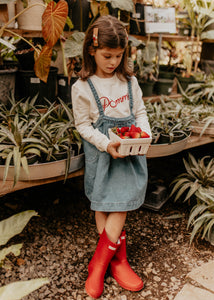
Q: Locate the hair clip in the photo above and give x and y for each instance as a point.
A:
(95, 37)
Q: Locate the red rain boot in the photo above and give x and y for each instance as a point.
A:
(98, 265)
(121, 270)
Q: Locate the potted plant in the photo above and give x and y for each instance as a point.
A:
(200, 16)
(19, 143)
(146, 67)
(53, 22)
(197, 187)
(44, 131)
(72, 61)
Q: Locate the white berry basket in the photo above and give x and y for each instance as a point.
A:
(130, 146)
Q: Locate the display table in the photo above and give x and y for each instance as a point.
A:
(7, 187)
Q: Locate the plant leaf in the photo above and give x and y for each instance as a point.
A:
(53, 21)
(17, 290)
(42, 64)
(195, 230)
(15, 249)
(14, 225)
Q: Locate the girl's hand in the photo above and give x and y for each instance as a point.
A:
(112, 150)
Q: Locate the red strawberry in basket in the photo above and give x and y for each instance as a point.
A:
(127, 134)
(132, 129)
(134, 135)
(124, 129)
(143, 134)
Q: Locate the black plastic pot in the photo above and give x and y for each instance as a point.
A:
(165, 138)
(64, 87)
(147, 88)
(166, 75)
(28, 85)
(184, 82)
(25, 58)
(163, 86)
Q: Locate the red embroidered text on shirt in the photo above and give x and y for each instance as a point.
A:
(113, 103)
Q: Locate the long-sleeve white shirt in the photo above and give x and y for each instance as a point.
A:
(113, 94)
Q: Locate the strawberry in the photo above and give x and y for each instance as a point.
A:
(124, 137)
(143, 134)
(135, 135)
(127, 133)
(133, 128)
(118, 130)
(138, 129)
(124, 129)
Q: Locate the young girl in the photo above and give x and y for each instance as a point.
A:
(108, 95)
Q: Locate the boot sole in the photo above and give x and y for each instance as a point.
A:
(128, 288)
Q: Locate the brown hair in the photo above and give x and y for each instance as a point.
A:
(111, 34)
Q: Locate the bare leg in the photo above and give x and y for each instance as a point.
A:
(113, 223)
(101, 218)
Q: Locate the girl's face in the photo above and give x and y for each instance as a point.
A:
(107, 60)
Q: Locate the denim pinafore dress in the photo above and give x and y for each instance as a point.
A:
(113, 185)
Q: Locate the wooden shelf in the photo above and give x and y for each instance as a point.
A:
(165, 37)
(30, 33)
(154, 36)
(7, 187)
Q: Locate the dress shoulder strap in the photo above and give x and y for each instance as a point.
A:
(96, 97)
(130, 95)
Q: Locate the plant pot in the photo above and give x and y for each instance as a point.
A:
(184, 82)
(165, 138)
(32, 18)
(28, 85)
(62, 155)
(64, 88)
(46, 170)
(25, 58)
(160, 150)
(166, 75)
(7, 84)
(163, 86)
(147, 88)
(199, 127)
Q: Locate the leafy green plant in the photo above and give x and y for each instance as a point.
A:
(197, 185)
(199, 93)
(201, 15)
(28, 130)
(201, 217)
(199, 175)
(7, 47)
(146, 66)
(21, 142)
(8, 229)
(72, 51)
(165, 118)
